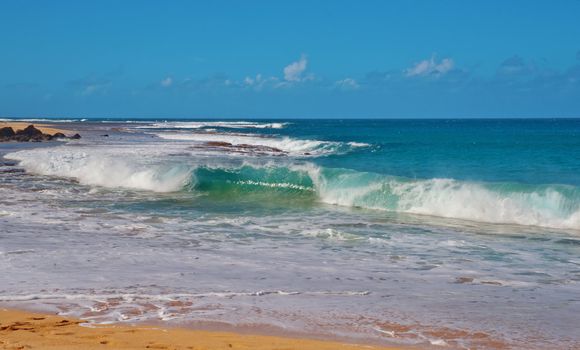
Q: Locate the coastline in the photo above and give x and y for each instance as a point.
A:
(44, 127)
(22, 329)
(262, 303)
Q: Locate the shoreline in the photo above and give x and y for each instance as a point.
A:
(31, 330)
(46, 128)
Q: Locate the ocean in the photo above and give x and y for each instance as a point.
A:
(445, 233)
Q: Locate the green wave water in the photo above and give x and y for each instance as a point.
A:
(539, 205)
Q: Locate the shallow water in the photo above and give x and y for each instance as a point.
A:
(463, 234)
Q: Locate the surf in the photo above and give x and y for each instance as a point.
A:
(547, 205)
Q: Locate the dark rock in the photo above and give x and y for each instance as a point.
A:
(30, 131)
(464, 280)
(20, 138)
(218, 144)
(260, 148)
(7, 132)
(41, 137)
(106, 135)
(30, 134)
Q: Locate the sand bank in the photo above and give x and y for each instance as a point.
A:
(24, 330)
(45, 128)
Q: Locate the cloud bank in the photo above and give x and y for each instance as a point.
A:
(430, 67)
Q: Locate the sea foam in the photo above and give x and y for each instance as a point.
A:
(219, 124)
(291, 146)
(112, 171)
(556, 206)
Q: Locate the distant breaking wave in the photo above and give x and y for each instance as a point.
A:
(43, 120)
(220, 124)
(265, 144)
(556, 206)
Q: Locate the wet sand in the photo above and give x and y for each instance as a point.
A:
(25, 330)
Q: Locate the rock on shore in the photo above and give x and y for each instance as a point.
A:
(31, 134)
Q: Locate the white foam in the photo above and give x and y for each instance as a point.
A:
(42, 120)
(358, 144)
(273, 185)
(145, 167)
(295, 147)
(217, 124)
(450, 199)
(333, 235)
(131, 297)
(91, 167)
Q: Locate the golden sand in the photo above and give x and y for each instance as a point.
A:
(45, 128)
(24, 330)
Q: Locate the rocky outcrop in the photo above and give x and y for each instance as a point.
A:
(7, 132)
(240, 148)
(59, 135)
(31, 134)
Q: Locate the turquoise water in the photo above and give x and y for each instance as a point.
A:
(541, 151)
(498, 171)
(451, 228)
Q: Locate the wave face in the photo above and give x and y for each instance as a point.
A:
(556, 206)
(550, 206)
(544, 205)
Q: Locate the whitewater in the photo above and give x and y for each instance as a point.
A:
(361, 228)
(172, 168)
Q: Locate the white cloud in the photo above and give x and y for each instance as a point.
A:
(259, 81)
(252, 81)
(94, 89)
(294, 71)
(347, 84)
(167, 82)
(91, 85)
(430, 67)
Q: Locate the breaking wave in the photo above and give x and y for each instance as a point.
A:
(556, 206)
(106, 171)
(50, 120)
(220, 124)
(263, 144)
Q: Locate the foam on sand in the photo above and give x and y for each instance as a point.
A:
(38, 331)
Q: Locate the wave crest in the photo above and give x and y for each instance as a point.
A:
(106, 171)
(271, 145)
(536, 205)
(555, 206)
(220, 124)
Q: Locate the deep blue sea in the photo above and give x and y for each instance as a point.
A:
(445, 233)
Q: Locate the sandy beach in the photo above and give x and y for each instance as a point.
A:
(24, 330)
(305, 175)
(45, 128)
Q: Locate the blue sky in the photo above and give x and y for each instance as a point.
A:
(274, 59)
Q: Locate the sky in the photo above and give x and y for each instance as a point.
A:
(290, 59)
